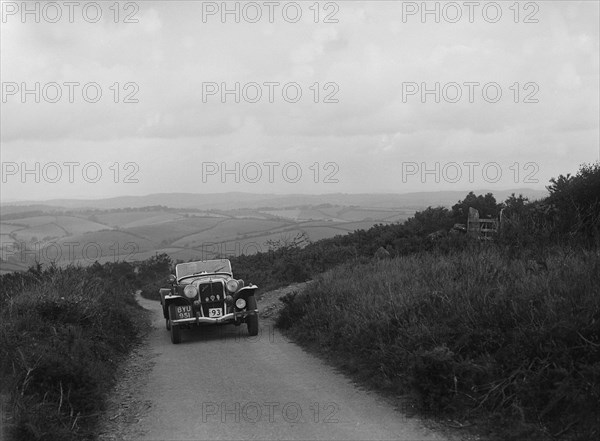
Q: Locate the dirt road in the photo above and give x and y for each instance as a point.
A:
(220, 384)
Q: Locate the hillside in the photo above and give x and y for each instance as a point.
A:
(85, 236)
(187, 226)
(500, 336)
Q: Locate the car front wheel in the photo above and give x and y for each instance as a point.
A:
(252, 320)
(175, 330)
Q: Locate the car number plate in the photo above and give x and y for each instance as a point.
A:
(183, 312)
(215, 312)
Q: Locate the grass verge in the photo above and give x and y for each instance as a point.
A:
(511, 343)
(62, 333)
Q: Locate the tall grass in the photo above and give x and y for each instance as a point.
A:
(62, 333)
(468, 333)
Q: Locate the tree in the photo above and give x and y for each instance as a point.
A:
(576, 200)
(515, 207)
(486, 205)
(288, 243)
(430, 220)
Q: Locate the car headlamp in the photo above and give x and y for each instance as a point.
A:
(240, 303)
(190, 291)
(232, 285)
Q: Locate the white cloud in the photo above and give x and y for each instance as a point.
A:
(369, 54)
(151, 21)
(567, 77)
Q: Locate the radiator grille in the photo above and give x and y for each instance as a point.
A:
(212, 295)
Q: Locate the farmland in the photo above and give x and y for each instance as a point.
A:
(87, 235)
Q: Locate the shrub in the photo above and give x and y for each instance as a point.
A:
(468, 332)
(62, 334)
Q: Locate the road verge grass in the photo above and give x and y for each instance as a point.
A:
(509, 342)
(62, 333)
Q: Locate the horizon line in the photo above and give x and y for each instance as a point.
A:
(383, 193)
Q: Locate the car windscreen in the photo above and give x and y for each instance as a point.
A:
(203, 266)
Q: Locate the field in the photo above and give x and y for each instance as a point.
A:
(137, 234)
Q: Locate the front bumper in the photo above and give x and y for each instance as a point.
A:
(231, 317)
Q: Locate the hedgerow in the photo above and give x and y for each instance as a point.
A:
(62, 333)
(469, 333)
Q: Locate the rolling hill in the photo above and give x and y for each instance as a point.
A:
(190, 226)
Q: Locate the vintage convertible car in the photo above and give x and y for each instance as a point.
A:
(205, 293)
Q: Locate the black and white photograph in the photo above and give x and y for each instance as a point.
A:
(300, 220)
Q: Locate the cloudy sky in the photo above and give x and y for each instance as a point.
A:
(287, 97)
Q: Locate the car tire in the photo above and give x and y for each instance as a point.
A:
(168, 324)
(175, 335)
(175, 330)
(252, 320)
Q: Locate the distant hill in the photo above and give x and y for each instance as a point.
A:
(233, 200)
(187, 226)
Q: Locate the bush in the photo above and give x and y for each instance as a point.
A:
(62, 333)
(152, 275)
(468, 332)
